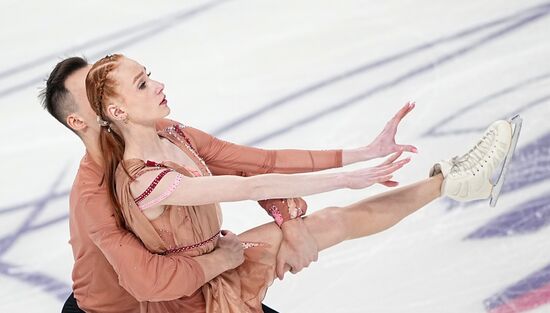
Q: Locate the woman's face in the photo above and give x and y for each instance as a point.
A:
(142, 100)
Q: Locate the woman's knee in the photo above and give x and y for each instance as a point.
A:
(331, 216)
(328, 220)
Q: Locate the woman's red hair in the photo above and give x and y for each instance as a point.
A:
(100, 89)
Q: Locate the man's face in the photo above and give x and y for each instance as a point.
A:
(76, 85)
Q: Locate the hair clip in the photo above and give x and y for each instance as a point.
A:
(103, 123)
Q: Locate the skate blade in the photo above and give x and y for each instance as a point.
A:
(516, 123)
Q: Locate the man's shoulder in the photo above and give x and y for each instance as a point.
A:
(88, 189)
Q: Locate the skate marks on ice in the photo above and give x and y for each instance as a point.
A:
(59, 290)
(50, 285)
(27, 226)
(531, 166)
(101, 46)
(484, 106)
(527, 294)
(475, 37)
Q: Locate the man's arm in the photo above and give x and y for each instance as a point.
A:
(226, 158)
(146, 276)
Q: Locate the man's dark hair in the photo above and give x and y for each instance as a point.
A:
(55, 97)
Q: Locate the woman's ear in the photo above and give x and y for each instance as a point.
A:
(116, 113)
(75, 122)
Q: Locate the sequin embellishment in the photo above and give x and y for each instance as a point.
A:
(193, 246)
(164, 195)
(276, 214)
(176, 131)
(248, 244)
(152, 186)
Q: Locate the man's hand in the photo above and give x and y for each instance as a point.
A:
(231, 248)
(298, 248)
(384, 144)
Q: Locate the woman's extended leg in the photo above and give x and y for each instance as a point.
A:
(467, 177)
(333, 225)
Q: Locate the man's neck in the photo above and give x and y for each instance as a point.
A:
(93, 149)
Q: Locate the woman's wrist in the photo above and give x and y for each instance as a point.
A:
(342, 180)
(350, 156)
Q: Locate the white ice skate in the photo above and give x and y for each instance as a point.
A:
(469, 177)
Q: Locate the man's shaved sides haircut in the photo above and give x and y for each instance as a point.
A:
(55, 97)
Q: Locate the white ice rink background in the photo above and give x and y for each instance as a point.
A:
(310, 75)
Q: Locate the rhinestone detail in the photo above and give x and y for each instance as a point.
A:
(276, 214)
(164, 195)
(177, 132)
(193, 246)
(247, 245)
(152, 186)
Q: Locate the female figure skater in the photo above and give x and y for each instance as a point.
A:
(166, 195)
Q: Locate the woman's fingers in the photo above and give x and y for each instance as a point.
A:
(389, 183)
(392, 158)
(394, 122)
(408, 148)
(381, 179)
(378, 174)
(374, 174)
(409, 106)
(394, 166)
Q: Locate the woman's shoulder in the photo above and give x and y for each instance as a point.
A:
(130, 169)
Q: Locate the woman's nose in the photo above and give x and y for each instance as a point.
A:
(160, 87)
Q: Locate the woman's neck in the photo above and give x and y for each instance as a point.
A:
(142, 142)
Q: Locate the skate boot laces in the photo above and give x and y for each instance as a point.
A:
(469, 161)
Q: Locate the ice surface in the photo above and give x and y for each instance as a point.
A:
(312, 75)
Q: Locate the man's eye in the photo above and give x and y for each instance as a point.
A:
(149, 74)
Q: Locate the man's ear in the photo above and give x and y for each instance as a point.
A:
(116, 112)
(76, 122)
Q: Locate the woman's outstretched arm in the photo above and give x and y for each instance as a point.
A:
(166, 187)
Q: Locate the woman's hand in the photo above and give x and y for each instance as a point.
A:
(380, 174)
(384, 144)
(231, 248)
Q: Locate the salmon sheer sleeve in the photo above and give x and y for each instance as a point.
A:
(226, 158)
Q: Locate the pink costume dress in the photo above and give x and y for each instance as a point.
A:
(193, 231)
